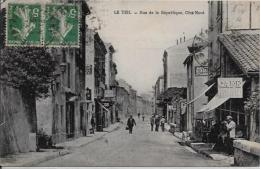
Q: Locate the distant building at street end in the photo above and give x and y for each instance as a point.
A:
(173, 58)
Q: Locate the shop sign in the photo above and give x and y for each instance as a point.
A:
(201, 71)
(109, 93)
(201, 57)
(230, 87)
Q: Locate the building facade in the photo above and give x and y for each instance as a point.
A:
(63, 115)
(100, 78)
(174, 75)
(234, 53)
(158, 90)
(122, 103)
(197, 75)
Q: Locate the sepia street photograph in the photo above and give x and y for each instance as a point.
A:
(129, 83)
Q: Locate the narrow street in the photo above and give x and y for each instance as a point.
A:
(142, 148)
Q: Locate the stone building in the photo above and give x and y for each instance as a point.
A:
(90, 75)
(197, 75)
(234, 55)
(63, 115)
(175, 98)
(158, 90)
(175, 75)
(122, 103)
(110, 83)
(132, 109)
(102, 113)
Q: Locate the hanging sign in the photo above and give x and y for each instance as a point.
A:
(230, 87)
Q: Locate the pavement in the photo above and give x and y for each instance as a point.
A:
(142, 148)
(34, 158)
(116, 147)
(205, 149)
(83, 141)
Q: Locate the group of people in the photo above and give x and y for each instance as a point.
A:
(223, 135)
(139, 116)
(157, 121)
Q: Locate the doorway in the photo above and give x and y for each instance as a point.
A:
(70, 119)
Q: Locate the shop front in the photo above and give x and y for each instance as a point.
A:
(228, 101)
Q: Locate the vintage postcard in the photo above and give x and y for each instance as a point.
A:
(129, 83)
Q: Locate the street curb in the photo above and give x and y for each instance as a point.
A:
(40, 160)
(65, 151)
(82, 145)
(203, 153)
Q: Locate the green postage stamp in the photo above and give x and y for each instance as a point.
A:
(23, 25)
(49, 25)
(61, 25)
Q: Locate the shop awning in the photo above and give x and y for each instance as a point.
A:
(202, 94)
(213, 104)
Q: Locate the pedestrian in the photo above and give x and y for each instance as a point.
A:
(130, 124)
(220, 145)
(157, 123)
(93, 124)
(143, 117)
(152, 122)
(138, 115)
(231, 134)
(162, 123)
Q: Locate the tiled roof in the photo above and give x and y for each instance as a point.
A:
(244, 48)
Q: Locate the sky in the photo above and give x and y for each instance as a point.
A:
(140, 39)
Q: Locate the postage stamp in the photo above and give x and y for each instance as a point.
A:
(23, 27)
(61, 25)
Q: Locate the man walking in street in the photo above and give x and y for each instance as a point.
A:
(162, 123)
(143, 117)
(152, 122)
(231, 129)
(130, 124)
(157, 123)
